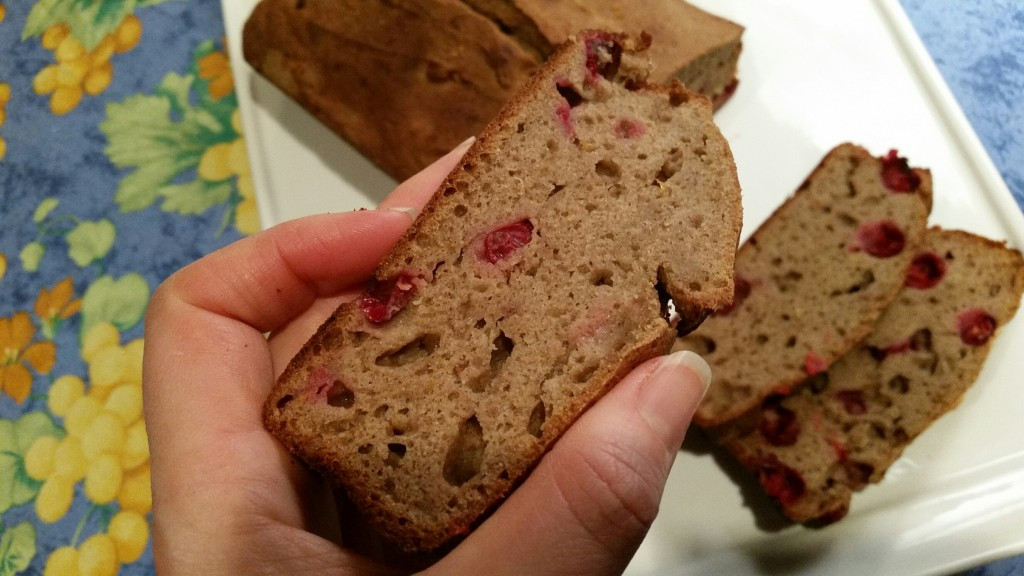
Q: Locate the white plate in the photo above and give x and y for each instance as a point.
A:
(813, 74)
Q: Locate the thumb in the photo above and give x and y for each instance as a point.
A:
(587, 506)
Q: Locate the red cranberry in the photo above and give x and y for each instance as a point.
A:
(564, 115)
(778, 423)
(897, 174)
(604, 55)
(839, 449)
(814, 364)
(853, 401)
(726, 94)
(628, 128)
(882, 239)
(740, 291)
(920, 340)
(780, 481)
(897, 348)
(323, 388)
(382, 300)
(926, 271)
(319, 384)
(975, 326)
(501, 243)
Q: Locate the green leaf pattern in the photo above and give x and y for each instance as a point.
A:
(17, 548)
(90, 241)
(163, 136)
(121, 302)
(89, 20)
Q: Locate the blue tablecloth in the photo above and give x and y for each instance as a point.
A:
(118, 130)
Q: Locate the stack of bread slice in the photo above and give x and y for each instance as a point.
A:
(854, 327)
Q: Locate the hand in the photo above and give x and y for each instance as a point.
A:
(228, 499)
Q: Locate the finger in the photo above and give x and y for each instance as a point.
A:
(588, 505)
(415, 192)
(268, 279)
(265, 280)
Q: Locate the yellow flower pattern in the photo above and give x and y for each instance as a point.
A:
(5, 97)
(18, 353)
(56, 304)
(79, 71)
(215, 68)
(80, 251)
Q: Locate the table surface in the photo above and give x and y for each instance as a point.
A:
(100, 161)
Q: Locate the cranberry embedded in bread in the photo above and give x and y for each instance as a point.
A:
(535, 278)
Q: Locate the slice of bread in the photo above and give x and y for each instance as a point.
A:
(540, 273)
(404, 82)
(813, 279)
(849, 424)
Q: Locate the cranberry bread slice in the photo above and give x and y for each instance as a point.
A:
(404, 82)
(813, 279)
(812, 450)
(537, 276)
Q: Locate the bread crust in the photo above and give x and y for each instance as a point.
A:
(429, 418)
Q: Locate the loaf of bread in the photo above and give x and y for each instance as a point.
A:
(406, 81)
(813, 278)
(845, 428)
(541, 272)
(697, 48)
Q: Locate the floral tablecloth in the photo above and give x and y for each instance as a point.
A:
(121, 160)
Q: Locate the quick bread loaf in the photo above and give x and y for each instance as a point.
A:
(813, 279)
(542, 271)
(406, 81)
(844, 428)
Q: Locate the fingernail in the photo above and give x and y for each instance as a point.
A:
(667, 401)
(695, 363)
(461, 148)
(411, 212)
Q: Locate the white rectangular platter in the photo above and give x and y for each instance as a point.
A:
(813, 74)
